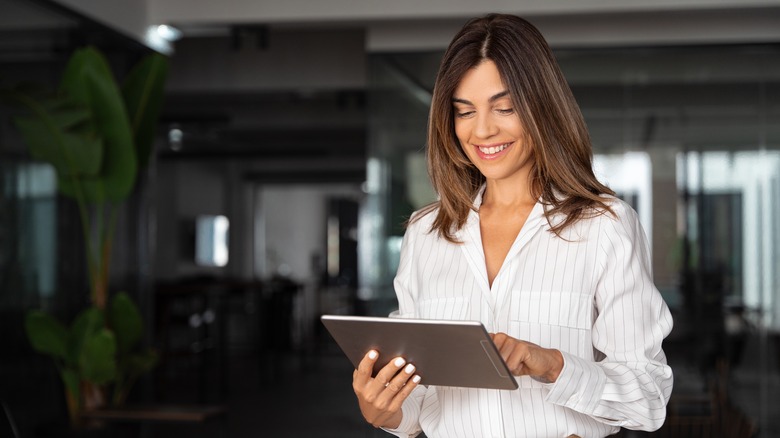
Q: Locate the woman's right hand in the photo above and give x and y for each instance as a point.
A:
(380, 398)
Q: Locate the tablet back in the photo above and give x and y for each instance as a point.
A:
(445, 353)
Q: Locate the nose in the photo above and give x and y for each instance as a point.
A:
(485, 126)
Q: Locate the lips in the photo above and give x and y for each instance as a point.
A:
(492, 151)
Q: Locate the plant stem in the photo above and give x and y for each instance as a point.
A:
(74, 407)
(107, 239)
(85, 229)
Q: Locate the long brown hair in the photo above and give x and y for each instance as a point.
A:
(561, 174)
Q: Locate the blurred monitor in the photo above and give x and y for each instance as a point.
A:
(211, 240)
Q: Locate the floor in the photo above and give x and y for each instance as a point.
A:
(313, 398)
(309, 394)
(301, 395)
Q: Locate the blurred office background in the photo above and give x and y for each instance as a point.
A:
(291, 149)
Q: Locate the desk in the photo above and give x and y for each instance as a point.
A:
(165, 413)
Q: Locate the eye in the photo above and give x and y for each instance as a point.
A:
(463, 114)
(506, 111)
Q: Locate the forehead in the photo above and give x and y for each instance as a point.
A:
(480, 82)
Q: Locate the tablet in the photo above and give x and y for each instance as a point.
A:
(445, 353)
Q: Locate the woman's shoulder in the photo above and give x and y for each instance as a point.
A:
(621, 217)
(617, 205)
(423, 218)
(612, 209)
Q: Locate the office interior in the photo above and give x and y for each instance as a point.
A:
(289, 151)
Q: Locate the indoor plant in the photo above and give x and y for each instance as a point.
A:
(97, 137)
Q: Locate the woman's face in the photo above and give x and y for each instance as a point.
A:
(487, 125)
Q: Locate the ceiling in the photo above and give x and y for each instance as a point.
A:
(302, 93)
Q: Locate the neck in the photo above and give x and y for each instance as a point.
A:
(507, 193)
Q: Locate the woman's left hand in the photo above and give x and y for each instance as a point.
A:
(527, 359)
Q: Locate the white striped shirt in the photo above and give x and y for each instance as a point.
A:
(590, 296)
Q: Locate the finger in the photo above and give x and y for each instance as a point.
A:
(398, 400)
(394, 387)
(397, 383)
(519, 359)
(514, 361)
(365, 369)
(387, 372)
(499, 339)
(508, 348)
(505, 346)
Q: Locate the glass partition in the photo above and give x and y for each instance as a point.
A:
(396, 177)
(42, 262)
(689, 136)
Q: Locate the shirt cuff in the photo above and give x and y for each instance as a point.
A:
(579, 386)
(408, 427)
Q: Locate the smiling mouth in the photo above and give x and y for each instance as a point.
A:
(493, 149)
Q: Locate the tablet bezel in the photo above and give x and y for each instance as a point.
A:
(445, 352)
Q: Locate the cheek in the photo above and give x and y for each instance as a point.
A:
(516, 127)
(462, 132)
(467, 150)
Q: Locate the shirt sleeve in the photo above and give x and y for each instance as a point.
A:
(404, 290)
(631, 385)
(410, 423)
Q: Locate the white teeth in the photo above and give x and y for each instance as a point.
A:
(493, 149)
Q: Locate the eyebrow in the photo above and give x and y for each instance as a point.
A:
(492, 98)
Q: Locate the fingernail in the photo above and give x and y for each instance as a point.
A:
(372, 354)
(399, 362)
(409, 369)
(416, 379)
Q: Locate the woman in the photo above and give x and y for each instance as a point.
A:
(526, 240)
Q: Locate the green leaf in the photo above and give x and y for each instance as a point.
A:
(97, 360)
(70, 154)
(87, 151)
(60, 132)
(143, 91)
(86, 324)
(65, 111)
(125, 319)
(89, 80)
(68, 117)
(46, 334)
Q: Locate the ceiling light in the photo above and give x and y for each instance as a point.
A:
(159, 37)
(168, 33)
